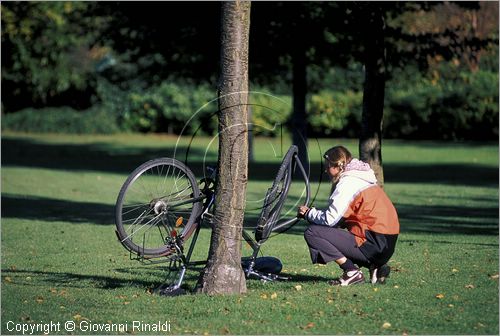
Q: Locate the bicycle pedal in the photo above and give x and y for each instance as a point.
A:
(169, 290)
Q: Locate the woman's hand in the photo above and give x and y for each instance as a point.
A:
(302, 211)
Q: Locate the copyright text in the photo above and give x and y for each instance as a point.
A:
(86, 326)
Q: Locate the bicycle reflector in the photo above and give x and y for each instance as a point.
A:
(179, 221)
(173, 234)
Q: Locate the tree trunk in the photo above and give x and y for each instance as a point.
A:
(370, 142)
(299, 118)
(223, 273)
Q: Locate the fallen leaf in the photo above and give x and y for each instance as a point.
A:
(470, 286)
(8, 279)
(375, 289)
(263, 296)
(308, 326)
(494, 276)
(77, 317)
(53, 291)
(274, 296)
(39, 299)
(451, 305)
(454, 270)
(386, 325)
(298, 287)
(439, 296)
(13, 268)
(396, 286)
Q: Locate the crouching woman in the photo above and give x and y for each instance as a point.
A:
(360, 226)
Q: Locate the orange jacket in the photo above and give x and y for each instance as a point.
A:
(373, 211)
(361, 206)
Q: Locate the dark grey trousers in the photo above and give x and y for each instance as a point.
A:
(327, 244)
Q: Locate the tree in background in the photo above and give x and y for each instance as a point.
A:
(291, 41)
(462, 32)
(50, 50)
(427, 33)
(223, 273)
(443, 62)
(370, 140)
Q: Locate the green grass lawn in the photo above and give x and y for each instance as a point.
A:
(61, 260)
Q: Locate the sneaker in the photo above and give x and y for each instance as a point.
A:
(379, 274)
(348, 278)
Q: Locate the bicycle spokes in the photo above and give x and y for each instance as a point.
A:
(154, 202)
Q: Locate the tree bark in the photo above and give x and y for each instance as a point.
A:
(223, 273)
(370, 141)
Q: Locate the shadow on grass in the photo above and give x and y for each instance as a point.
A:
(429, 219)
(449, 174)
(412, 242)
(106, 158)
(27, 277)
(449, 219)
(84, 157)
(134, 277)
(48, 209)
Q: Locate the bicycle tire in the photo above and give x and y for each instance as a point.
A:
(275, 197)
(146, 216)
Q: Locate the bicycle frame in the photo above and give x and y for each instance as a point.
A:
(179, 261)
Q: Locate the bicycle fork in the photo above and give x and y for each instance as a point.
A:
(178, 264)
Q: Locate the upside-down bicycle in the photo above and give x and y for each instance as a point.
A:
(160, 206)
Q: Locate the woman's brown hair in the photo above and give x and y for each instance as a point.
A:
(338, 156)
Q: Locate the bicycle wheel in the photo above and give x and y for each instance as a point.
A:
(159, 201)
(275, 197)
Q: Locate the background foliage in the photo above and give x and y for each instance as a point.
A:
(72, 61)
